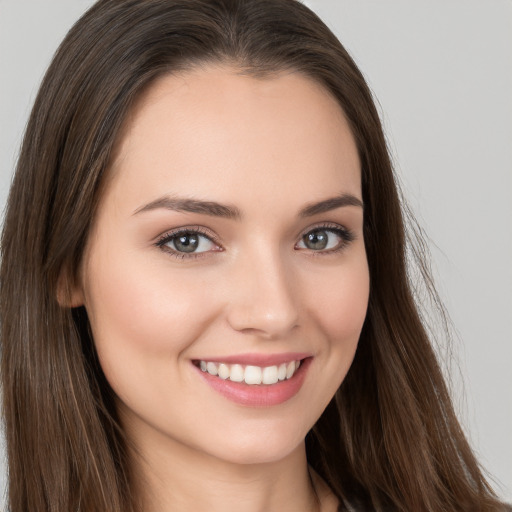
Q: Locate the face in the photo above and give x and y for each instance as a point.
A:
(225, 277)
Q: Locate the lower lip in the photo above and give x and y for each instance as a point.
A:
(259, 395)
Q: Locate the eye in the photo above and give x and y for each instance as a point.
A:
(327, 239)
(187, 243)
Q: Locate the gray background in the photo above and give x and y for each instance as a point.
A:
(442, 73)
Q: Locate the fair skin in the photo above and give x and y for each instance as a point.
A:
(170, 285)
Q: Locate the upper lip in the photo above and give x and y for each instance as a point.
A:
(255, 359)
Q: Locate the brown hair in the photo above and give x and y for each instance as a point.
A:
(389, 439)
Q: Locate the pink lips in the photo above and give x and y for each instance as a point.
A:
(260, 395)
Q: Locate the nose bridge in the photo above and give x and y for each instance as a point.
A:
(263, 299)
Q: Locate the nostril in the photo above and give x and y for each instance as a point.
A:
(262, 320)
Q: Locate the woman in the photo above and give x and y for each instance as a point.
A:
(209, 307)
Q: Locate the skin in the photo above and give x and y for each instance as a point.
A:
(269, 147)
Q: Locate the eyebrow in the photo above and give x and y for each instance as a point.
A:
(193, 206)
(232, 212)
(330, 204)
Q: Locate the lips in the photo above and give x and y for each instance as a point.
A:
(255, 380)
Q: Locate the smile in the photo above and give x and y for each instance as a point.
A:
(249, 374)
(255, 380)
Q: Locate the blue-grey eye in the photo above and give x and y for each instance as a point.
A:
(189, 242)
(321, 239)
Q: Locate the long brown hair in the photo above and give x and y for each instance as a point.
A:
(389, 439)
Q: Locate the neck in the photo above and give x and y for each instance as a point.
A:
(180, 478)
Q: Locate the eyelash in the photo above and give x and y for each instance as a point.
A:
(172, 235)
(346, 236)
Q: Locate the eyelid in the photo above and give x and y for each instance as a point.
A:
(333, 226)
(345, 233)
(199, 230)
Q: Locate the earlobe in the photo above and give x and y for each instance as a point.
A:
(69, 291)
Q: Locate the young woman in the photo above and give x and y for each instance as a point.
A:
(204, 296)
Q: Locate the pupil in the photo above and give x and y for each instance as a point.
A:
(186, 243)
(316, 240)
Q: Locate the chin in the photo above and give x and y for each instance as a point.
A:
(262, 447)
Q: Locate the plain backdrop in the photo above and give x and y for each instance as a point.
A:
(442, 74)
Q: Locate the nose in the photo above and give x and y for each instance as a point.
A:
(262, 299)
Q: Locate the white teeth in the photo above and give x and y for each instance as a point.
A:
(211, 368)
(252, 375)
(269, 375)
(290, 369)
(237, 373)
(223, 371)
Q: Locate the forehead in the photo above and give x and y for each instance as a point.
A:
(215, 132)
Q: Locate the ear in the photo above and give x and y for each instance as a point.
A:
(69, 291)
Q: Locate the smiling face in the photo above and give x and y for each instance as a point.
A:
(225, 277)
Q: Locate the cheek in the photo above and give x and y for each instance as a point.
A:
(337, 311)
(341, 302)
(142, 316)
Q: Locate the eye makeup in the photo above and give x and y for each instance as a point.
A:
(316, 236)
(196, 241)
(183, 242)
